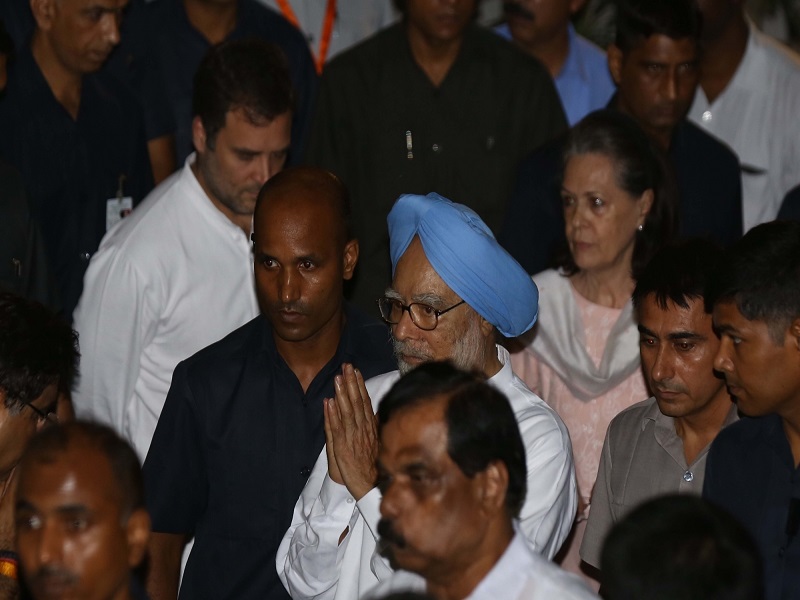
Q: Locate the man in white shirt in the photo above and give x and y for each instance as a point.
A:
(454, 287)
(748, 97)
(451, 469)
(177, 274)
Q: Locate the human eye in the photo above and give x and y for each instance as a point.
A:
(647, 341)
(94, 14)
(654, 68)
(684, 346)
(268, 262)
(567, 200)
(597, 203)
(307, 264)
(76, 522)
(27, 521)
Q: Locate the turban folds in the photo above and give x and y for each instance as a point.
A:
(465, 254)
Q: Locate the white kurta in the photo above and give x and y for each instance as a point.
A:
(168, 280)
(312, 564)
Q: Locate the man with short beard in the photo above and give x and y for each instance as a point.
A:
(177, 274)
(454, 288)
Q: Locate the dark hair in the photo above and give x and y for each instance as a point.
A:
(247, 74)
(761, 274)
(638, 166)
(481, 427)
(637, 20)
(319, 183)
(679, 272)
(37, 349)
(680, 547)
(6, 43)
(46, 445)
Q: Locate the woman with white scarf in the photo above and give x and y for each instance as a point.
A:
(620, 206)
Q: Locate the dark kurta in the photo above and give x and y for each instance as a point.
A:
(72, 167)
(751, 473)
(181, 48)
(233, 449)
(708, 177)
(494, 107)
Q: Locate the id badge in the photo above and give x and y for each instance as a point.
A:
(117, 209)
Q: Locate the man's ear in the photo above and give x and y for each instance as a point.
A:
(199, 138)
(794, 332)
(350, 259)
(615, 59)
(138, 534)
(493, 486)
(44, 13)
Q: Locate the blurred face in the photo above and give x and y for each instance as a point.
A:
(82, 33)
(439, 21)
(301, 261)
(18, 425)
(601, 218)
(431, 514)
(678, 346)
(72, 537)
(534, 22)
(717, 15)
(241, 158)
(459, 335)
(762, 376)
(656, 81)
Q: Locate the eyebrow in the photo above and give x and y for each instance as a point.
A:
(674, 335)
(434, 300)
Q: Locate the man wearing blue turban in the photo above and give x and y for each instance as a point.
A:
(453, 288)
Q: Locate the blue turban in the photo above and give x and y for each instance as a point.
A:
(465, 254)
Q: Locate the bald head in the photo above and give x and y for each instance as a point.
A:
(308, 185)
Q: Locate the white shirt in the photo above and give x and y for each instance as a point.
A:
(758, 115)
(312, 564)
(168, 280)
(355, 21)
(520, 574)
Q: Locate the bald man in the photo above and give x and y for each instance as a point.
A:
(243, 421)
(453, 289)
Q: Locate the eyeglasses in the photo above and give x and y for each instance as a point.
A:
(48, 417)
(422, 315)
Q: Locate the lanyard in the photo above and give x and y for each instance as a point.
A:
(327, 28)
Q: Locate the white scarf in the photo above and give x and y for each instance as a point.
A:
(559, 341)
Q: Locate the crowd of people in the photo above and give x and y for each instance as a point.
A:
(365, 299)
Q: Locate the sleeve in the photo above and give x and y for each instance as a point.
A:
(175, 472)
(115, 319)
(552, 499)
(309, 558)
(601, 517)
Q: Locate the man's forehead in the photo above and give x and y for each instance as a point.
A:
(662, 48)
(415, 276)
(416, 430)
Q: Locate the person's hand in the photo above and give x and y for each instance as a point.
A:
(351, 433)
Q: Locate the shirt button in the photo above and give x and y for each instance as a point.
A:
(349, 500)
(305, 471)
(707, 116)
(688, 476)
(84, 256)
(436, 148)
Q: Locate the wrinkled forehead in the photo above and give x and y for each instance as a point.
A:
(415, 277)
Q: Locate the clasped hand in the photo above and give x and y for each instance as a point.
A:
(351, 433)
